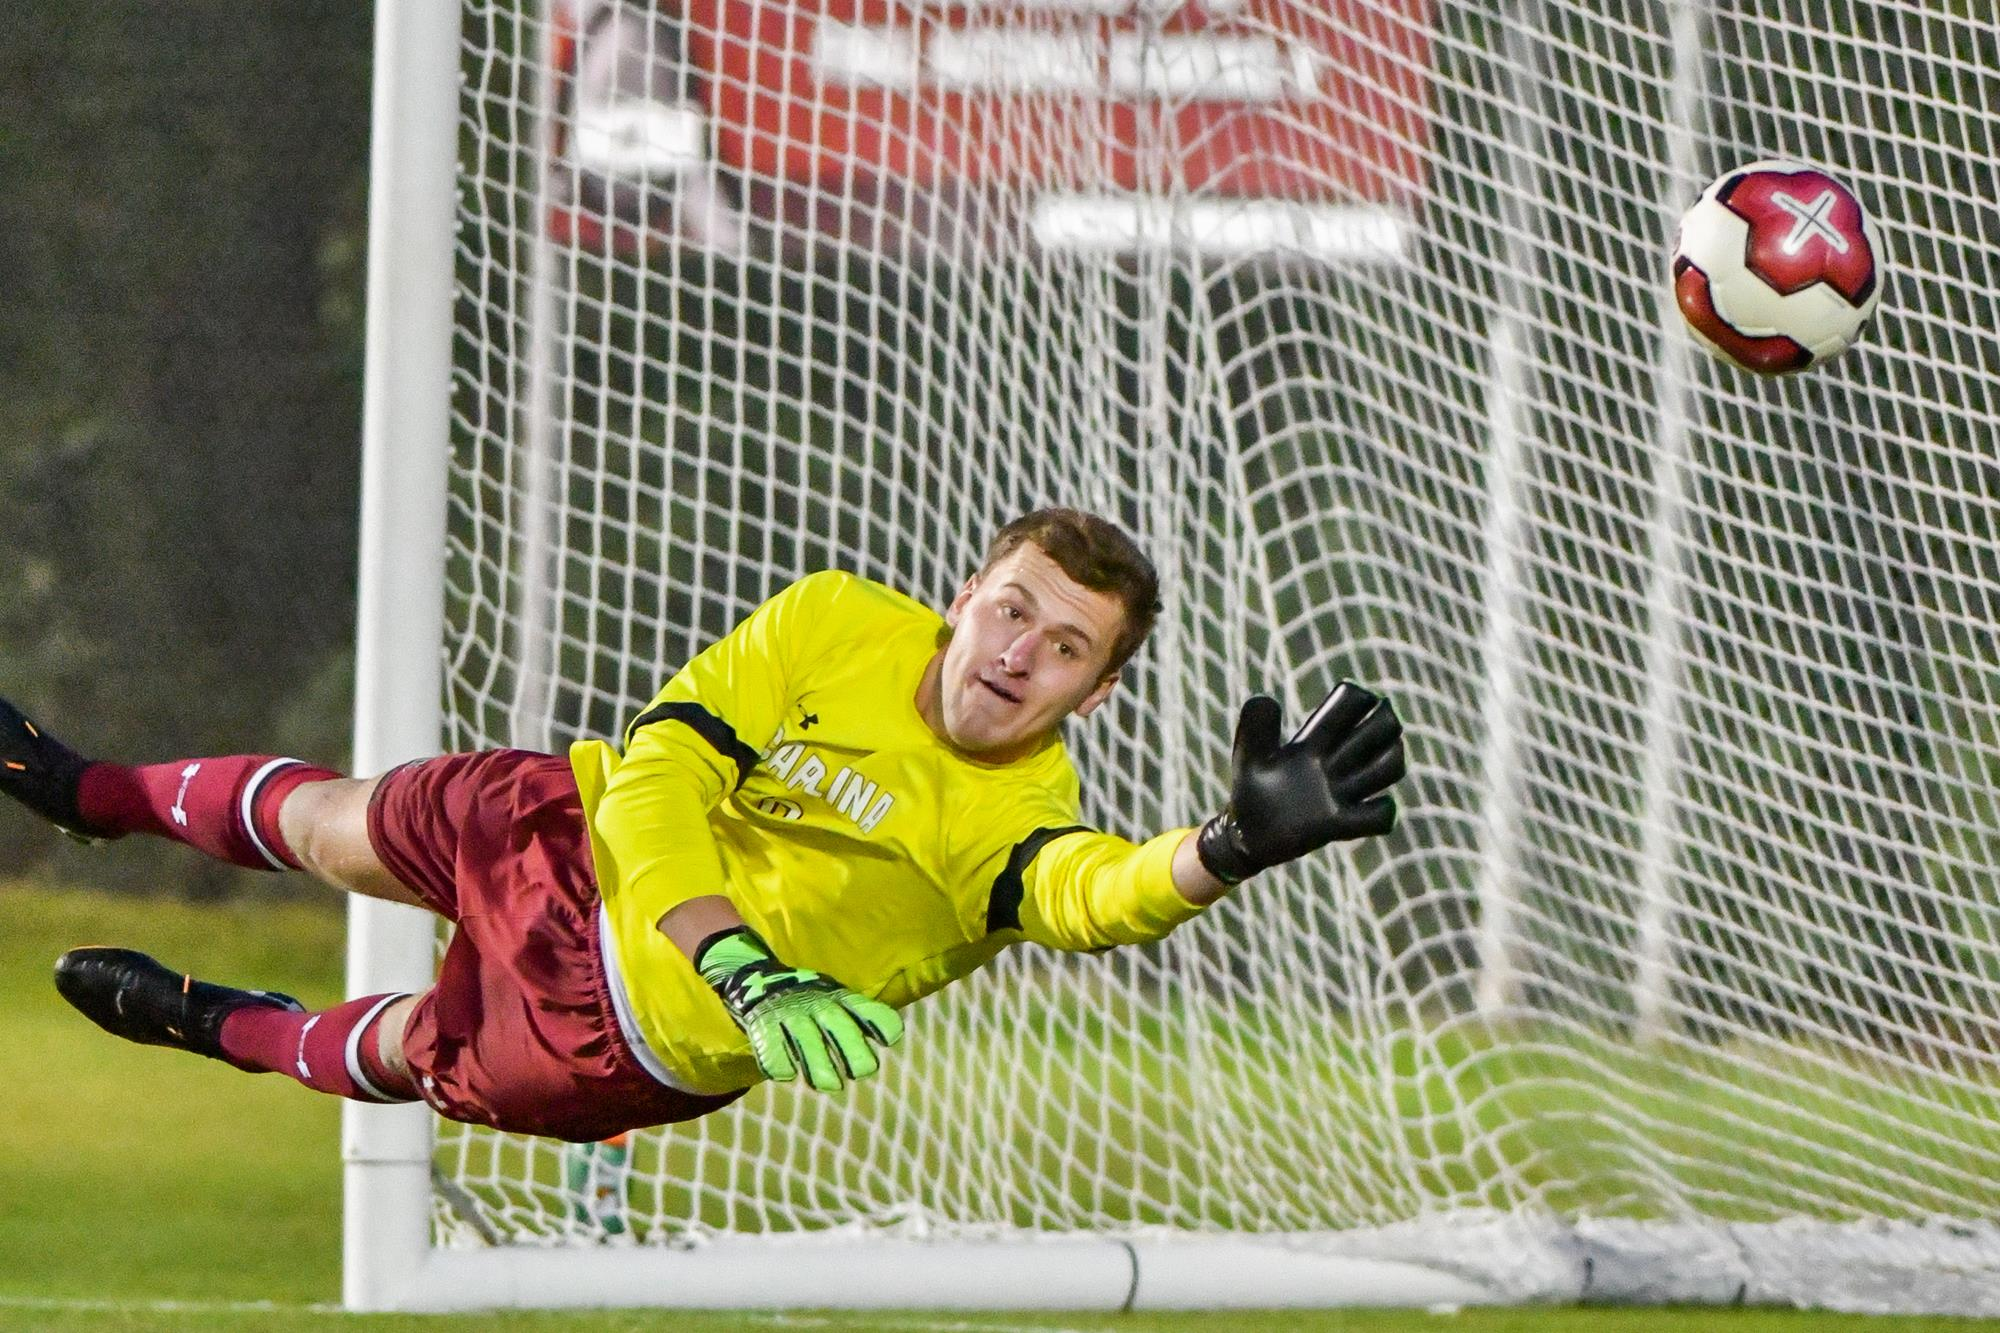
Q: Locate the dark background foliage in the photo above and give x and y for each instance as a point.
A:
(182, 218)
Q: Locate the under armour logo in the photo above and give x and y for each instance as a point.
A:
(1810, 220)
(807, 720)
(178, 810)
(305, 1071)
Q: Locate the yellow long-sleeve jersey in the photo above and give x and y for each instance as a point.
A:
(787, 768)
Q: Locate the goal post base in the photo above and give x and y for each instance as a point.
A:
(1467, 1259)
(1059, 1273)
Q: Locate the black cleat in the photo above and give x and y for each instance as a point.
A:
(130, 995)
(43, 774)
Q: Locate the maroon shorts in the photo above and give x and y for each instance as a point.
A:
(519, 1032)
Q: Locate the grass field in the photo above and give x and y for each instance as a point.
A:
(144, 1190)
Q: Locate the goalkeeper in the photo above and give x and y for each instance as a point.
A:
(838, 808)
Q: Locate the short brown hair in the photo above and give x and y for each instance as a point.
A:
(1096, 554)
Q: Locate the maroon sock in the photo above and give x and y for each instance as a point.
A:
(226, 806)
(330, 1051)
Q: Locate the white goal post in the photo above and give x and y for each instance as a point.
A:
(1680, 978)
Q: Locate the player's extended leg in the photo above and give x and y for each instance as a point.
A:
(259, 811)
(352, 1050)
(262, 812)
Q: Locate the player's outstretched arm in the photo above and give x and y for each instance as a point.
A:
(1328, 783)
(796, 1018)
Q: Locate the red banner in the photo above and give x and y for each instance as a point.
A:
(1274, 123)
(1298, 99)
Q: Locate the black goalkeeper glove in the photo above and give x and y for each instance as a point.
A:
(1326, 784)
(796, 1018)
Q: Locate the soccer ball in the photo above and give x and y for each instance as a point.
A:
(1777, 267)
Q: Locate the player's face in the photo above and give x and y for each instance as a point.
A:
(1029, 647)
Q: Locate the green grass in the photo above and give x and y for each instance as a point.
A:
(140, 1189)
(124, 1161)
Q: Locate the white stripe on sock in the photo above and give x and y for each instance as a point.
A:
(249, 804)
(354, 1072)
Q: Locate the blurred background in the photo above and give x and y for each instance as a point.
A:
(182, 222)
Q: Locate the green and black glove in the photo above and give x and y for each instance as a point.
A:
(1326, 784)
(795, 1017)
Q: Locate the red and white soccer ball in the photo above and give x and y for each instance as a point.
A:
(1777, 267)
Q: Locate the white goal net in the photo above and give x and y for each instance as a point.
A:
(1680, 978)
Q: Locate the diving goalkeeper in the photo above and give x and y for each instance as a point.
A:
(839, 807)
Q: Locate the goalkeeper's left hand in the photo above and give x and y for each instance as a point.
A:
(795, 1017)
(1327, 783)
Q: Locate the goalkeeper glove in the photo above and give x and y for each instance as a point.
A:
(1324, 785)
(795, 1017)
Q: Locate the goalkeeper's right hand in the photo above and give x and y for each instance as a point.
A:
(795, 1017)
(1326, 784)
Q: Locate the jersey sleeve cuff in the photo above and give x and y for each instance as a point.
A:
(1157, 905)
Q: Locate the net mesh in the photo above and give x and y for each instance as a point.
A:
(1354, 312)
